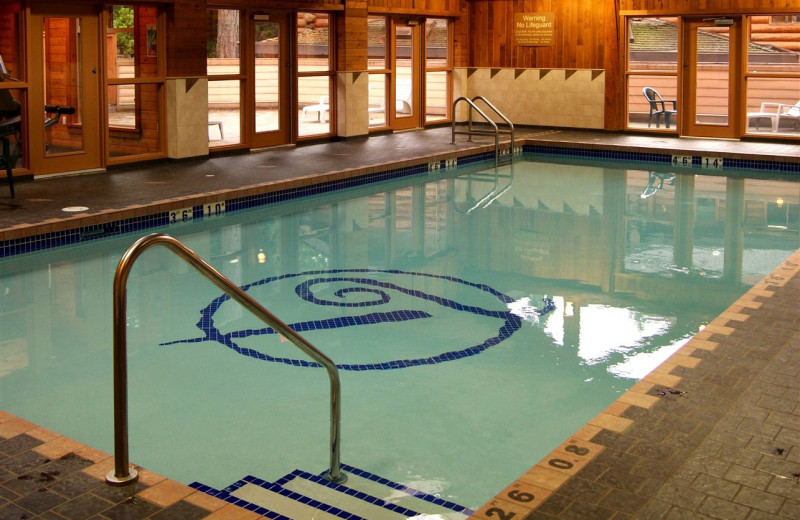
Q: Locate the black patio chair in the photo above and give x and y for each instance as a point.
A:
(658, 107)
(10, 129)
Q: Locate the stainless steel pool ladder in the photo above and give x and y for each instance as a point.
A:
(123, 473)
(496, 131)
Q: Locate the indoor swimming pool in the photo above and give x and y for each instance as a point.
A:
(478, 316)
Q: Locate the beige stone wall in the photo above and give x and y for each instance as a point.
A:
(187, 117)
(352, 103)
(543, 97)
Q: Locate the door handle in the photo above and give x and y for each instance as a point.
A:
(94, 70)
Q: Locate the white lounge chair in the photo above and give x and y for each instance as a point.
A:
(402, 98)
(789, 112)
(319, 108)
(769, 111)
(775, 112)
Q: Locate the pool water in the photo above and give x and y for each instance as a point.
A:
(478, 317)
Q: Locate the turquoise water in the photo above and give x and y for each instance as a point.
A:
(479, 318)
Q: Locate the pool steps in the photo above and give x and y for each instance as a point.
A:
(301, 495)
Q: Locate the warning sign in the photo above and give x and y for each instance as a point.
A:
(533, 29)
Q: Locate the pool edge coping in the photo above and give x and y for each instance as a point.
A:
(551, 473)
(86, 227)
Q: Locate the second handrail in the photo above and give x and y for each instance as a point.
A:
(500, 115)
(123, 473)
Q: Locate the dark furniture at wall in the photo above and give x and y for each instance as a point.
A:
(658, 108)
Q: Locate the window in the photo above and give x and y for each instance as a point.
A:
(225, 77)
(135, 80)
(378, 65)
(314, 74)
(652, 64)
(785, 19)
(773, 77)
(438, 69)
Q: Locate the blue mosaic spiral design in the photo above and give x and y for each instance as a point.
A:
(378, 290)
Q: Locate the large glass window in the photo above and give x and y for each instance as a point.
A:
(438, 70)
(314, 74)
(225, 77)
(773, 75)
(378, 64)
(135, 79)
(652, 73)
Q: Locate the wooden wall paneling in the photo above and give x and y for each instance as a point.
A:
(418, 7)
(689, 7)
(497, 41)
(304, 5)
(579, 37)
(186, 38)
(352, 41)
(461, 39)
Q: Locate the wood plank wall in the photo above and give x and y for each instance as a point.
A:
(578, 41)
(688, 7)
(418, 7)
(351, 43)
(186, 39)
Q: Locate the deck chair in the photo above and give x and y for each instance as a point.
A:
(323, 106)
(658, 107)
(791, 112)
(10, 130)
(402, 102)
(768, 111)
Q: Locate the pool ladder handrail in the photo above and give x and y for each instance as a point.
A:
(495, 132)
(122, 473)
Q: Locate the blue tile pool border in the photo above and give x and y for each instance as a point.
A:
(83, 234)
(730, 163)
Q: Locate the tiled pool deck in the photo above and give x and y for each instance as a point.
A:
(713, 433)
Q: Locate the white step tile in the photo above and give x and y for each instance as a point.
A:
(394, 496)
(341, 500)
(280, 504)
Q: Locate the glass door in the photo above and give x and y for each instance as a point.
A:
(712, 66)
(406, 66)
(269, 70)
(64, 119)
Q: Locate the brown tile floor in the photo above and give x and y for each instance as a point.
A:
(713, 433)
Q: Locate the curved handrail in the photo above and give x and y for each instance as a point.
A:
(500, 115)
(123, 473)
(470, 132)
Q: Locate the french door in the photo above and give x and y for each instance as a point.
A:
(64, 72)
(406, 70)
(712, 64)
(269, 92)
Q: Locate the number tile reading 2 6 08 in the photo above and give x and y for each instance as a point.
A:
(521, 497)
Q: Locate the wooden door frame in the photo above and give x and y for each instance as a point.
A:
(417, 118)
(285, 95)
(688, 74)
(92, 95)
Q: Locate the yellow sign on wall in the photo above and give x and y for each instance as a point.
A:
(534, 29)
